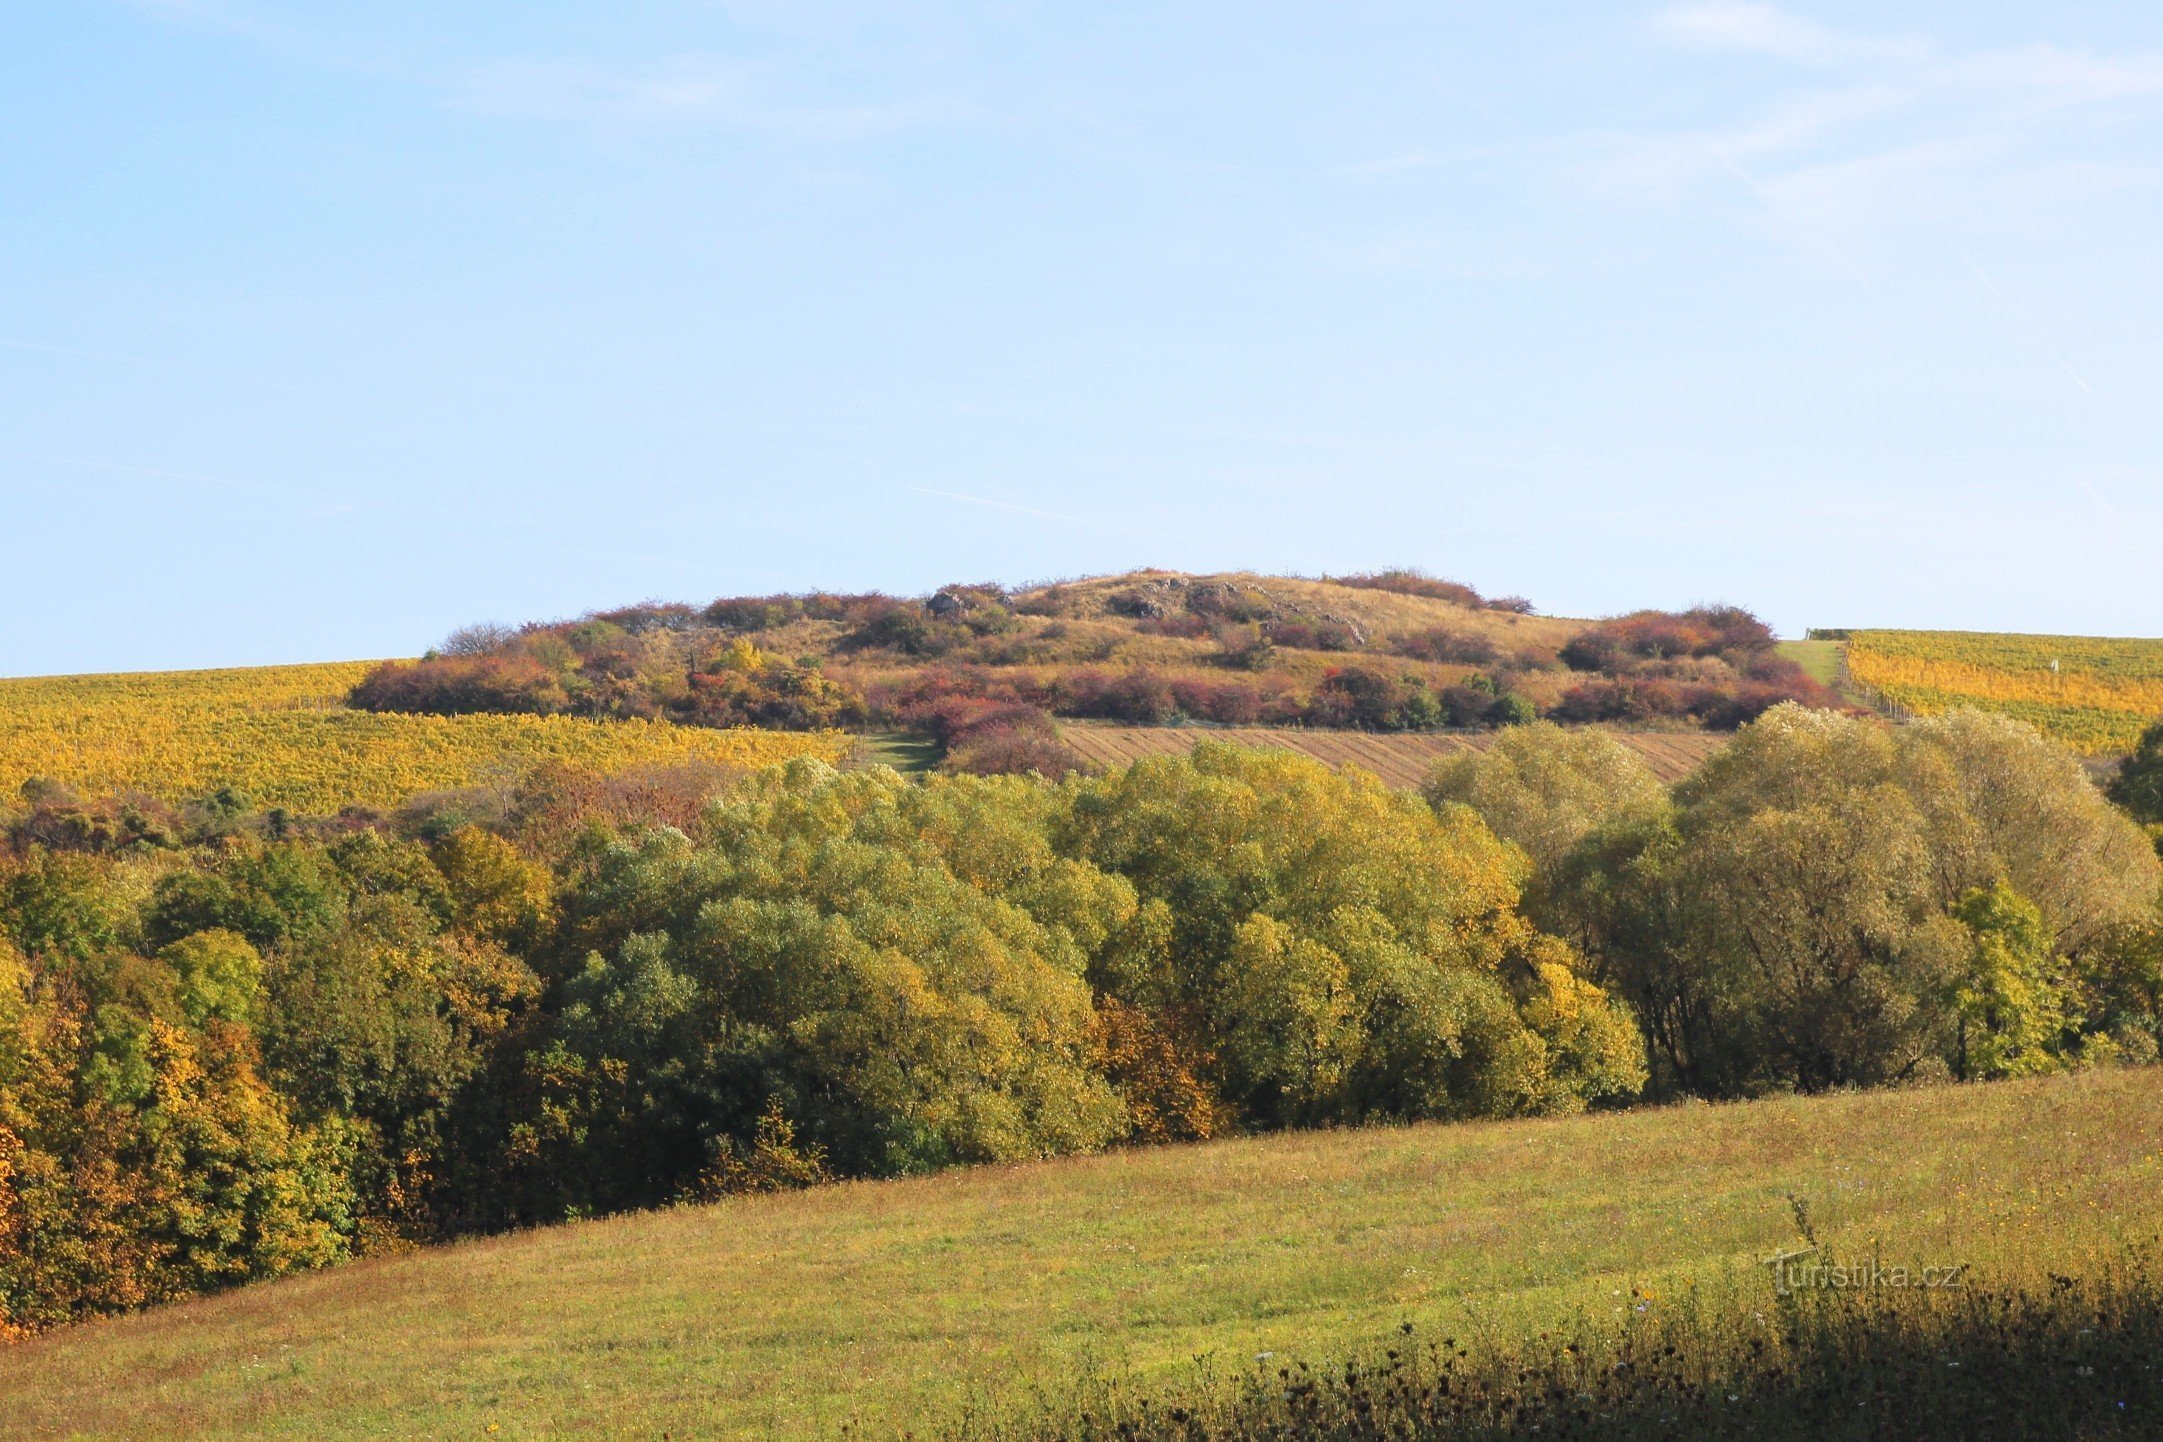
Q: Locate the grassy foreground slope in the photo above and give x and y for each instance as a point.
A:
(895, 1304)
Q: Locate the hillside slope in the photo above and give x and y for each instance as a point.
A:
(896, 1303)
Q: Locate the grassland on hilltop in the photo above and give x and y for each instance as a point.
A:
(282, 736)
(904, 1304)
(2095, 693)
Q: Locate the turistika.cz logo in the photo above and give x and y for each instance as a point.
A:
(1811, 1270)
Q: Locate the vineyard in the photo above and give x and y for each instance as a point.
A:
(282, 736)
(2096, 694)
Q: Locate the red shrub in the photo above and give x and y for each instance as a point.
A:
(461, 685)
(1440, 643)
(1619, 645)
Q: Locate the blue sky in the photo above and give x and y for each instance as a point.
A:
(327, 328)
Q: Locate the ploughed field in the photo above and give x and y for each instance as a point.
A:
(1400, 758)
(906, 1304)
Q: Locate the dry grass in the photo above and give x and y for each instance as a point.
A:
(896, 1304)
(1399, 758)
(1378, 613)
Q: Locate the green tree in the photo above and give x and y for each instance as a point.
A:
(220, 977)
(1346, 951)
(2008, 1010)
(2138, 786)
(1798, 921)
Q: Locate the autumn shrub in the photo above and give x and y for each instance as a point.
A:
(1441, 644)
(1312, 634)
(744, 686)
(1138, 696)
(462, 685)
(1618, 645)
(991, 739)
(1185, 625)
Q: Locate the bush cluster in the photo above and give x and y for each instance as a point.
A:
(1833, 902)
(1409, 581)
(1355, 696)
(1713, 665)
(601, 667)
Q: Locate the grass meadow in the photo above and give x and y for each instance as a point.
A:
(980, 1295)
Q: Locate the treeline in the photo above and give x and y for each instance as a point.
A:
(823, 660)
(1832, 902)
(231, 1046)
(229, 1049)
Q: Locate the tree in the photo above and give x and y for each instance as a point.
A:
(1345, 951)
(1545, 789)
(2008, 1010)
(1804, 920)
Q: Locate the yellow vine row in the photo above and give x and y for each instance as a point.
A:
(281, 735)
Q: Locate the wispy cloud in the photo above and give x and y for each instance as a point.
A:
(1761, 29)
(1859, 130)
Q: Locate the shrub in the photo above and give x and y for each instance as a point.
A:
(1622, 644)
(1409, 581)
(1441, 644)
(990, 739)
(462, 685)
(1310, 634)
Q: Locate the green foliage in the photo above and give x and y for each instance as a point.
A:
(247, 1052)
(220, 977)
(854, 946)
(2008, 1011)
(1348, 952)
(2138, 786)
(1832, 902)
(1545, 788)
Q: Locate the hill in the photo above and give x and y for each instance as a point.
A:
(899, 1303)
(982, 670)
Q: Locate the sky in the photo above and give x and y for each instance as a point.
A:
(325, 329)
